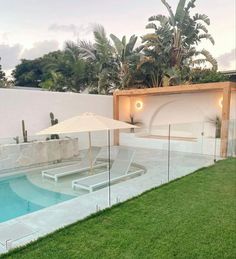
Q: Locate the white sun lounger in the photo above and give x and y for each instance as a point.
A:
(83, 165)
(119, 171)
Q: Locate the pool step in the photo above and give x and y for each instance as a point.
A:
(34, 194)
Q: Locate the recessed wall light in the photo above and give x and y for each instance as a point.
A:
(139, 105)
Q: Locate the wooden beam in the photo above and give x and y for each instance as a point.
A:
(116, 115)
(225, 120)
(175, 89)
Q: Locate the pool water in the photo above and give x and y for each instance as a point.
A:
(18, 196)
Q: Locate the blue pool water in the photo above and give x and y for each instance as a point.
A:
(18, 196)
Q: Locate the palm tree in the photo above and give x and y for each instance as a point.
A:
(127, 56)
(64, 70)
(175, 39)
(102, 55)
(75, 64)
(155, 59)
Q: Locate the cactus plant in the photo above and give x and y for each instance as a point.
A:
(133, 122)
(53, 122)
(17, 140)
(24, 132)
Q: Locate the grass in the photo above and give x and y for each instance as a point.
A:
(193, 217)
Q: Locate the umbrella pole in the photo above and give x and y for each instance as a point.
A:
(90, 153)
(109, 168)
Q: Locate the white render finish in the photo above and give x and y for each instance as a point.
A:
(34, 107)
(175, 109)
(204, 146)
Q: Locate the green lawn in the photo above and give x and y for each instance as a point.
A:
(194, 217)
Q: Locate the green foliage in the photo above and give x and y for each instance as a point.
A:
(101, 55)
(172, 45)
(207, 76)
(132, 121)
(127, 58)
(28, 73)
(216, 122)
(54, 121)
(55, 81)
(167, 56)
(59, 70)
(4, 82)
(193, 217)
(2, 74)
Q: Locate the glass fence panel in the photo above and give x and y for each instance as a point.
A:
(140, 162)
(211, 137)
(231, 149)
(94, 173)
(187, 137)
(190, 149)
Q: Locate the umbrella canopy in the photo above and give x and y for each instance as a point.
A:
(87, 122)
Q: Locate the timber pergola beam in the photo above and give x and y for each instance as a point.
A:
(225, 87)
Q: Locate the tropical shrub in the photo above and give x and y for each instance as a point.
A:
(171, 47)
(206, 76)
(4, 82)
(167, 56)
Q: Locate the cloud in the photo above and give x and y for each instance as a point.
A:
(10, 55)
(70, 28)
(40, 48)
(4, 37)
(225, 60)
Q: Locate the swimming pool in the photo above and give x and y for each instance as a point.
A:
(18, 196)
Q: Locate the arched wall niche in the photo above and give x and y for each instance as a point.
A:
(177, 119)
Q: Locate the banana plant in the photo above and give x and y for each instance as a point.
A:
(127, 56)
(172, 44)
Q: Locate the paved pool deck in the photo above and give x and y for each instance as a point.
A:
(47, 220)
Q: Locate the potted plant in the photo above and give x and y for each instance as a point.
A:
(133, 122)
(216, 121)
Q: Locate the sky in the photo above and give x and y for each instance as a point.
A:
(32, 28)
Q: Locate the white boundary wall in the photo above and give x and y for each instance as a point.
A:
(34, 106)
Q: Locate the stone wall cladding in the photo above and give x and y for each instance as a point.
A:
(36, 153)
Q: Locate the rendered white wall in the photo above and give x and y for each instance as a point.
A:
(180, 110)
(209, 146)
(34, 107)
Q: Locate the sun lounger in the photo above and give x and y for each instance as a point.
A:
(84, 165)
(119, 171)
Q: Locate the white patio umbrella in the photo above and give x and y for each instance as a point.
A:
(87, 122)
